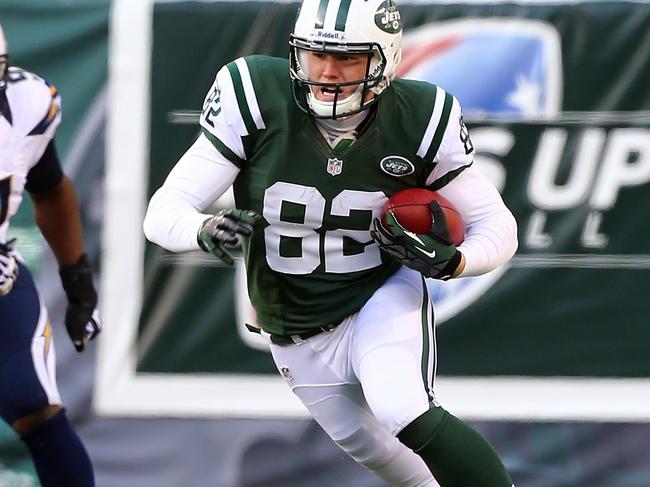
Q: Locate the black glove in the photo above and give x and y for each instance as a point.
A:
(433, 255)
(224, 230)
(81, 316)
(8, 267)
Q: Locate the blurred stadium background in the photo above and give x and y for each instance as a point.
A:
(549, 358)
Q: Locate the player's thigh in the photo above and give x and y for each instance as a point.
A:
(319, 374)
(344, 415)
(394, 353)
(319, 377)
(321, 359)
(27, 359)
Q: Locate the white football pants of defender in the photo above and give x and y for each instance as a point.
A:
(371, 376)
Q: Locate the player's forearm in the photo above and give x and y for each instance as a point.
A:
(175, 212)
(489, 245)
(491, 229)
(172, 222)
(57, 215)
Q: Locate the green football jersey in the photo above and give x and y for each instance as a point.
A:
(311, 260)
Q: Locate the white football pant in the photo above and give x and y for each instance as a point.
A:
(371, 376)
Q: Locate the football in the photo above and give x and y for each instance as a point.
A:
(411, 208)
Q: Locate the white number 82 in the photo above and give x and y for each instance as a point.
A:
(335, 261)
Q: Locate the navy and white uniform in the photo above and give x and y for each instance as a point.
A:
(30, 112)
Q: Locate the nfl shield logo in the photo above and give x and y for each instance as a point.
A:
(334, 166)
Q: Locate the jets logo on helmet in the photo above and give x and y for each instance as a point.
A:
(4, 59)
(371, 28)
(388, 19)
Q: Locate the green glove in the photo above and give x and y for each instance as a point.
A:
(224, 230)
(433, 255)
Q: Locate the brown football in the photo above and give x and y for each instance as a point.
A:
(411, 208)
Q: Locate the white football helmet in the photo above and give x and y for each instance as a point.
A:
(370, 27)
(4, 59)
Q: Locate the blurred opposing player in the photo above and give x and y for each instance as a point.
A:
(313, 149)
(29, 399)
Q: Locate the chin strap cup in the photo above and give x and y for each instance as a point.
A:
(343, 107)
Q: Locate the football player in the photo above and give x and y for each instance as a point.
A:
(313, 147)
(30, 112)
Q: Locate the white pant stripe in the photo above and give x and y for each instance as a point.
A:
(44, 356)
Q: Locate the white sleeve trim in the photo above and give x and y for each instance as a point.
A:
(490, 227)
(175, 211)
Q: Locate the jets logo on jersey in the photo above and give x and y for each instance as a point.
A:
(397, 166)
(334, 166)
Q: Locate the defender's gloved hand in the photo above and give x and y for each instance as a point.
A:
(81, 316)
(224, 230)
(8, 267)
(433, 255)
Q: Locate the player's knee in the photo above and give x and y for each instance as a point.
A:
(29, 422)
(367, 446)
(394, 417)
(423, 428)
(22, 398)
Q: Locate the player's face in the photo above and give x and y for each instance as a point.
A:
(335, 68)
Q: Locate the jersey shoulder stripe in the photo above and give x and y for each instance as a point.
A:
(221, 119)
(454, 149)
(261, 88)
(231, 115)
(249, 92)
(441, 127)
(405, 109)
(272, 86)
(240, 95)
(52, 114)
(437, 125)
(33, 105)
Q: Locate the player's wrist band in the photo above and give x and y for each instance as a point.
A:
(450, 267)
(77, 280)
